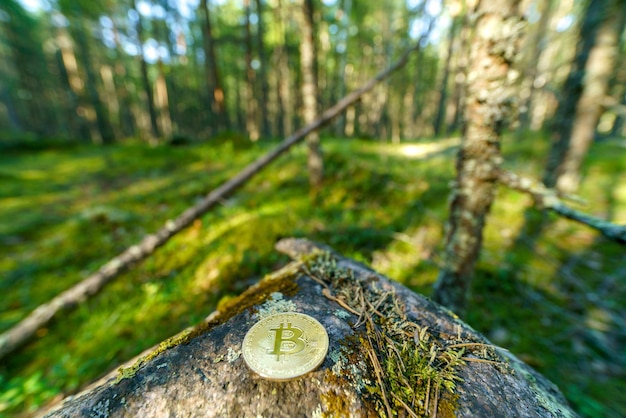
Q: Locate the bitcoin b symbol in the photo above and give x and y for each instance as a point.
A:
(287, 340)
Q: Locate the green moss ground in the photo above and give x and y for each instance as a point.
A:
(555, 297)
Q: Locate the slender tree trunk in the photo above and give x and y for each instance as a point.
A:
(147, 85)
(285, 102)
(308, 56)
(162, 101)
(263, 84)
(252, 126)
(91, 83)
(342, 61)
(586, 85)
(537, 45)
(443, 89)
(598, 70)
(213, 76)
(70, 78)
(113, 104)
(458, 95)
(124, 90)
(498, 31)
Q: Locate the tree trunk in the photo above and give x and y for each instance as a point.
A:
(460, 77)
(81, 37)
(147, 85)
(443, 89)
(308, 56)
(252, 125)
(68, 69)
(498, 30)
(213, 77)
(574, 140)
(391, 353)
(263, 84)
(537, 45)
(342, 60)
(580, 108)
(285, 101)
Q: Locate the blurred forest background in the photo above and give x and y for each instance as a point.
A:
(116, 115)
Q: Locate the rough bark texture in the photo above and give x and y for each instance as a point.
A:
(498, 30)
(201, 372)
(25, 329)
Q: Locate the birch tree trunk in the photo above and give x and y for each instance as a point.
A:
(499, 27)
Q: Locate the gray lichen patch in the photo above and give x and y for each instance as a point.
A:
(232, 354)
(276, 304)
(101, 410)
(547, 400)
(344, 365)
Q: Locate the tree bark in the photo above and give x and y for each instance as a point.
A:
(25, 329)
(308, 54)
(587, 82)
(498, 31)
(368, 370)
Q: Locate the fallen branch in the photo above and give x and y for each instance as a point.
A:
(25, 329)
(548, 199)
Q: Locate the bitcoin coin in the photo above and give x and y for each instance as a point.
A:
(285, 345)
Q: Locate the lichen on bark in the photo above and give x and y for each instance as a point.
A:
(489, 100)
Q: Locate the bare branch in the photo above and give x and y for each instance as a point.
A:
(547, 198)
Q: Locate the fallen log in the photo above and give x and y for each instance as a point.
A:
(26, 329)
(391, 353)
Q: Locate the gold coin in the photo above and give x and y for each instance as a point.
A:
(285, 345)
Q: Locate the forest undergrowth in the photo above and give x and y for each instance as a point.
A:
(548, 289)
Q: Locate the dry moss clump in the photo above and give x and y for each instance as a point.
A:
(416, 368)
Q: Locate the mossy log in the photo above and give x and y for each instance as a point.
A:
(392, 352)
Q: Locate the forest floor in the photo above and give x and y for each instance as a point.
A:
(555, 296)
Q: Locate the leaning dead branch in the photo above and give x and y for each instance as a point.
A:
(26, 329)
(548, 199)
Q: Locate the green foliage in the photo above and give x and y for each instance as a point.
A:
(556, 301)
